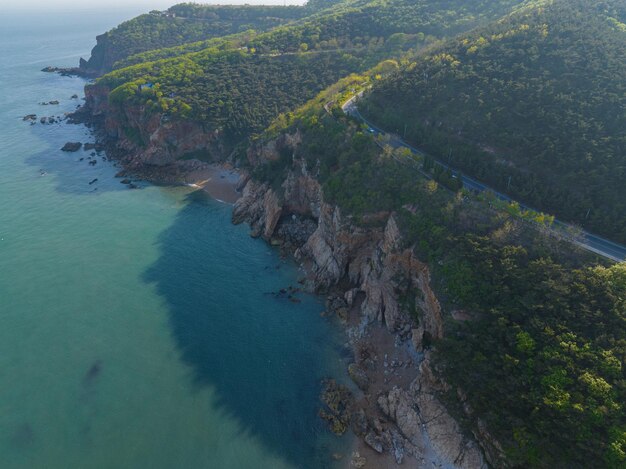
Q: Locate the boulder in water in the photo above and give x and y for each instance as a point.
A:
(72, 146)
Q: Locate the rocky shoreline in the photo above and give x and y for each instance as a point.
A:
(382, 293)
(71, 71)
(394, 409)
(216, 179)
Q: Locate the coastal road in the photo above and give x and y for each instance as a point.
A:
(584, 239)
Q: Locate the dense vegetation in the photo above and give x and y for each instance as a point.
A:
(543, 364)
(347, 24)
(542, 361)
(237, 84)
(533, 105)
(234, 92)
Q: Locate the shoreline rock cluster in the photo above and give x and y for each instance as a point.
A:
(71, 71)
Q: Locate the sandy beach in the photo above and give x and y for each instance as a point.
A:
(219, 181)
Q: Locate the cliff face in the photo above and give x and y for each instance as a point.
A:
(388, 285)
(148, 139)
(372, 259)
(101, 59)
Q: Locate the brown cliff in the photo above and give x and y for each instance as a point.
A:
(147, 142)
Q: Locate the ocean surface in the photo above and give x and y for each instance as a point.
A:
(136, 326)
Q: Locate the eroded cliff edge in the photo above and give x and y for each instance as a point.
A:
(373, 282)
(150, 144)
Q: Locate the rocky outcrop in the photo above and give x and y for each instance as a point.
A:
(389, 285)
(101, 59)
(71, 71)
(145, 139)
(303, 194)
(336, 246)
(443, 431)
(399, 406)
(72, 146)
(260, 207)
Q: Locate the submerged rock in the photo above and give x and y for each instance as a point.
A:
(338, 402)
(93, 373)
(357, 461)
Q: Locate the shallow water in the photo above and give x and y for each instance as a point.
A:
(136, 328)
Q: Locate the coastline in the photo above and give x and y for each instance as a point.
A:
(394, 414)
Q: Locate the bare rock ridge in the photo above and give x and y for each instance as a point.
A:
(402, 416)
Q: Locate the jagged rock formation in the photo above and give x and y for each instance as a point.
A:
(382, 273)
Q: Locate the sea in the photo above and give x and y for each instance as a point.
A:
(138, 327)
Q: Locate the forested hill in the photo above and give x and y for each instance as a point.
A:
(192, 23)
(182, 24)
(533, 105)
(236, 85)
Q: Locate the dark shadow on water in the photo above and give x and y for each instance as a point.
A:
(262, 355)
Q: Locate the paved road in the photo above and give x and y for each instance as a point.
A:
(586, 240)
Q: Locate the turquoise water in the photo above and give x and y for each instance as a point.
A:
(135, 326)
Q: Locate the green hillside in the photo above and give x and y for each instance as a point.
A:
(241, 82)
(234, 92)
(534, 105)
